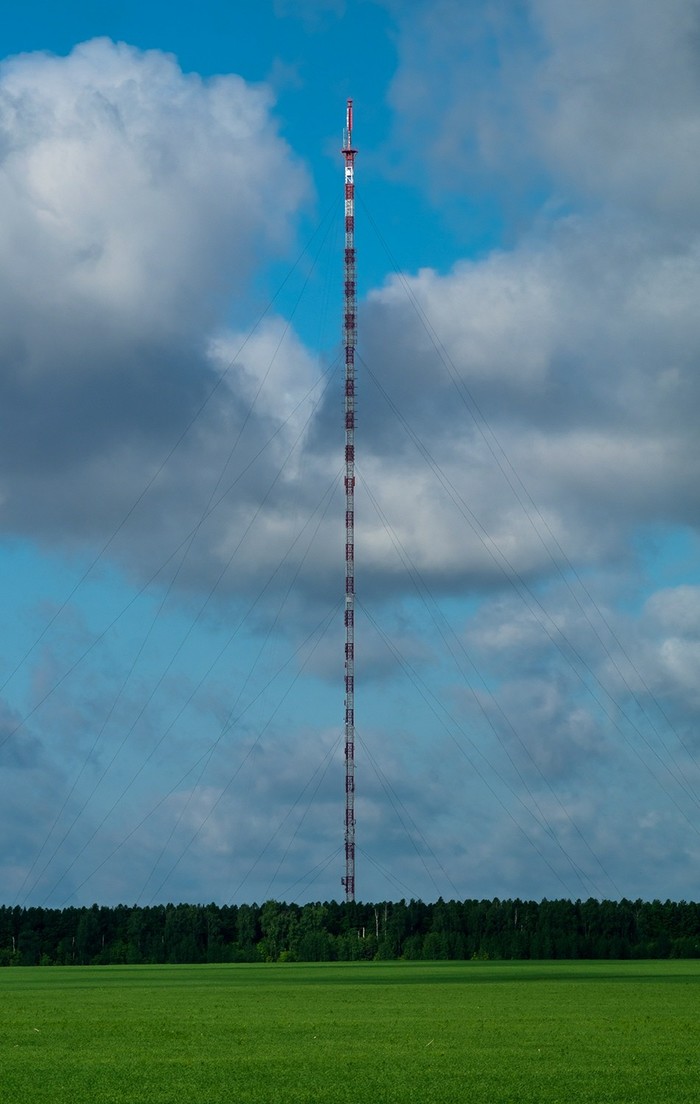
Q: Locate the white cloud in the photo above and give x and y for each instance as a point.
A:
(587, 99)
(137, 201)
(275, 373)
(617, 113)
(144, 189)
(578, 347)
(677, 610)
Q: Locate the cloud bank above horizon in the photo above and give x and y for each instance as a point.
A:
(527, 460)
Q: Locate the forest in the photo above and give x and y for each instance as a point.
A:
(332, 931)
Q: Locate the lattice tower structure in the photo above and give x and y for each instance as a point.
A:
(350, 342)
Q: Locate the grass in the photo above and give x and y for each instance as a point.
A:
(355, 1033)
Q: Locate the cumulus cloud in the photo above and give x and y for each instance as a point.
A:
(590, 392)
(146, 193)
(618, 110)
(525, 416)
(576, 100)
(137, 202)
(567, 361)
(671, 662)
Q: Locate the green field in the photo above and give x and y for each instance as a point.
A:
(429, 1033)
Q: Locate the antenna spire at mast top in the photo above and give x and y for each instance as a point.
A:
(347, 133)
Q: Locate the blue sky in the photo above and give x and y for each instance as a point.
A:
(527, 509)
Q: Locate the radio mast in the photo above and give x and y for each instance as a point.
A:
(350, 341)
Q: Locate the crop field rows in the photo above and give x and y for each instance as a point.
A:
(352, 1033)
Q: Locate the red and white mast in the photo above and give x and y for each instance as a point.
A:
(350, 341)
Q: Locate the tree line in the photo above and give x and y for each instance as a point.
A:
(333, 931)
